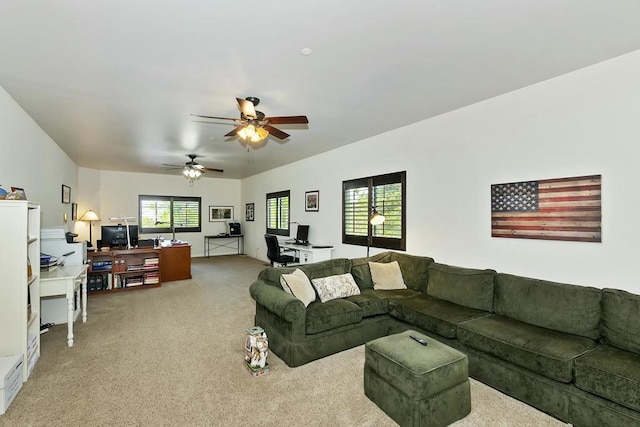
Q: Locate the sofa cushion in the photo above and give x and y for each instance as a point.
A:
(432, 314)
(620, 325)
(414, 269)
(375, 302)
(545, 351)
(565, 308)
(386, 275)
(330, 315)
(298, 285)
(610, 373)
(326, 268)
(271, 275)
(333, 287)
(360, 269)
(371, 302)
(463, 286)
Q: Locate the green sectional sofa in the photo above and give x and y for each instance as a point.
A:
(570, 351)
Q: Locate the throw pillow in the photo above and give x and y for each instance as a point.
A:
(334, 287)
(298, 285)
(386, 276)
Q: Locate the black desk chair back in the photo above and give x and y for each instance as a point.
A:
(274, 252)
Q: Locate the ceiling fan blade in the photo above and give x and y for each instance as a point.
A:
(276, 132)
(235, 131)
(287, 120)
(214, 117)
(172, 166)
(247, 108)
(213, 169)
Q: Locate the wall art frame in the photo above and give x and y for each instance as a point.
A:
(568, 209)
(249, 211)
(220, 213)
(312, 201)
(66, 194)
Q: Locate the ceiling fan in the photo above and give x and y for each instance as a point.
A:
(253, 125)
(192, 170)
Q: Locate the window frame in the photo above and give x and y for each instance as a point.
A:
(370, 183)
(279, 231)
(171, 200)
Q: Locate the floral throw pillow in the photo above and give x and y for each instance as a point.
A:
(334, 287)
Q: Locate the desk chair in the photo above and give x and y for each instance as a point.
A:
(275, 252)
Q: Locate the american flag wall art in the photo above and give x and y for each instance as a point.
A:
(548, 209)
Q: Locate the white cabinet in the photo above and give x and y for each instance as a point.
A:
(19, 290)
(309, 254)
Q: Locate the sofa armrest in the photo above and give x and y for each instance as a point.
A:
(277, 301)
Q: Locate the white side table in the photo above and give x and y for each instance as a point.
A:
(66, 280)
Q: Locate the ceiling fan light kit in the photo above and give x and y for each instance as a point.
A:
(253, 125)
(191, 174)
(192, 170)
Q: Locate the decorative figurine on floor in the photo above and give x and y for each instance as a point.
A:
(257, 348)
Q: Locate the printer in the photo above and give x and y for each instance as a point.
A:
(233, 228)
(55, 241)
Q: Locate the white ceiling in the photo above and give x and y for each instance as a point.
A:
(114, 82)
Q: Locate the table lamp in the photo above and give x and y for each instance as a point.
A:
(90, 216)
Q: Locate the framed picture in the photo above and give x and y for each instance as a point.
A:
(74, 211)
(249, 211)
(20, 192)
(66, 194)
(220, 213)
(312, 201)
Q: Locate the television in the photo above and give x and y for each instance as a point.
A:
(302, 235)
(115, 236)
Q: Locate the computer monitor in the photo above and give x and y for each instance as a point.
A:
(302, 235)
(115, 236)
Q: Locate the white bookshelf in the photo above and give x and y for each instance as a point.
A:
(20, 245)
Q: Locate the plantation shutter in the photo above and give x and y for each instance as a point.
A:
(159, 214)
(278, 213)
(356, 211)
(186, 214)
(387, 194)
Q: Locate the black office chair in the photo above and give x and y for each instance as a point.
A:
(275, 252)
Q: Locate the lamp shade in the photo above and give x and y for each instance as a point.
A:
(90, 216)
(376, 217)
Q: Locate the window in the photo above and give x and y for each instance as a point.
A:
(387, 194)
(278, 213)
(159, 214)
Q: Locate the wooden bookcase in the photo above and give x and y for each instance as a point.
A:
(20, 282)
(124, 270)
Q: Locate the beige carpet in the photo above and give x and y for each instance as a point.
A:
(173, 356)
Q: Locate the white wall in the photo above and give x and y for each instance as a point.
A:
(31, 160)
(581, 123)
(112, 194)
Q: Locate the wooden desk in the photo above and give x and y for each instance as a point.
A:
(176, 263)
(66, 280)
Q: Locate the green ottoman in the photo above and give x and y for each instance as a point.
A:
(417, 385)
